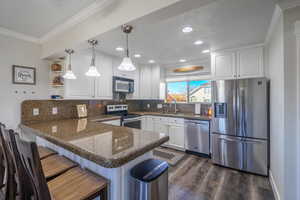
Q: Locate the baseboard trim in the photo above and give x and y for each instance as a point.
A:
(274, 186)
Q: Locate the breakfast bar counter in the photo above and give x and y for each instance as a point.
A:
(110, 151)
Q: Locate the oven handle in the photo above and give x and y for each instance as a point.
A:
(132, 119)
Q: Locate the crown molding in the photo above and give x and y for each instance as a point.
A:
(17, 35)
(289, 4)
(276, 16)
(77, 18)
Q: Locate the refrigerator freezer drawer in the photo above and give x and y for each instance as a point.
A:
(249, 155)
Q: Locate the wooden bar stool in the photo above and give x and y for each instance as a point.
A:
(45, 152)
(73, 184)
(10, 186)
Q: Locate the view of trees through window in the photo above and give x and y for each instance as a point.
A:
(189, 91)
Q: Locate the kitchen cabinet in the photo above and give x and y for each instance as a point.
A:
(173, 127)
(250, 63)
(103, 84)
(223, 65)
(176, 134)
(241, 63)
(145, 83)
(155, 82)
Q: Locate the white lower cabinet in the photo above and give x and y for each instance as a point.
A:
(167, 126)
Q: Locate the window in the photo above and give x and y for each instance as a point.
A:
(199, 91)
(177, 91)
(189, 91)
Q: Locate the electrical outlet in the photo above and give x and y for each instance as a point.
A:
(148, 105)
(36, 111)
(159, 106)
(54, 129)
(54, 111)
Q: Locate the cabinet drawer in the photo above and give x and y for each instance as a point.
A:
(172, 120)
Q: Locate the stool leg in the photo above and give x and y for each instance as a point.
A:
(103, 194)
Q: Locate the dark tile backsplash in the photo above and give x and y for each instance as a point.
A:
(67, 108)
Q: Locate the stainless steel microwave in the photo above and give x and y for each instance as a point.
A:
(123, 85)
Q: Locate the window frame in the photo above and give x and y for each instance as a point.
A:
(188, 92)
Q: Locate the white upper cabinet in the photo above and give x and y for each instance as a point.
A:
(223, 65)
(104, 82)
(250, 63)
(145, 82)
(242, 63)
(83, 87)
(155, 82)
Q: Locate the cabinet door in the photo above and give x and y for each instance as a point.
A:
(150, 124)
(83, 87)
(136, 78)
(223, 65)
(176, 134)
(104, 82)
(145, 82)
(250, 63)
(155, 82)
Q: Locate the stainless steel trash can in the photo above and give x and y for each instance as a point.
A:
(149, 180)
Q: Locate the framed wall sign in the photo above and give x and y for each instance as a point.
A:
(24, 75)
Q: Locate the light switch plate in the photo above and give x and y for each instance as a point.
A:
(54, 111)
(159, 106)
(148, 105)
(35, 111)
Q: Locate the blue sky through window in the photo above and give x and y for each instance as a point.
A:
(177, 87)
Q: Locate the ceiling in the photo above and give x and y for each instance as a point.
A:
(220, 24)
(38, 17)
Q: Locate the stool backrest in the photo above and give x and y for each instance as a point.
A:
(10, 188)
(29, 156)
(25, 190)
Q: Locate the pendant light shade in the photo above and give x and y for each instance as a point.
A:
(93, 72)
(127, 64)
(69, 73)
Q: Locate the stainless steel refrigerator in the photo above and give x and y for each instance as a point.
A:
(240, 124)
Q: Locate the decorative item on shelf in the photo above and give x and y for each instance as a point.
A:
(56, 97)
(58, 81)
(127, 64)
(56, 67)
(93, 72)
(24, 75)
(81, 111)
(69, 74)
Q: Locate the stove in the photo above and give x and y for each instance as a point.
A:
(127, 119)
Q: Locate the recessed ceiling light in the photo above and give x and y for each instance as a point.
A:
(182, 60)
(137, 55)
(198, 42)
(119, 49)
(151, 61)
(187, 29)
(206, 51)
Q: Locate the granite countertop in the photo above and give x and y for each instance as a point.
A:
(107, 145)
(103, 118)
(179, 115)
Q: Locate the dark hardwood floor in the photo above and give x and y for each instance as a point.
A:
(196, 178)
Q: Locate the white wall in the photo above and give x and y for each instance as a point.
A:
(18, 52)
(290, 84)
(275, 72)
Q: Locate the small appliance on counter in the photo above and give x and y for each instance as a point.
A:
(127, 119)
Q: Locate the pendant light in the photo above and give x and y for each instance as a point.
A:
(93, 72)
(69, 74)
(127, 64)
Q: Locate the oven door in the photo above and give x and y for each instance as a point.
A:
(133, 123)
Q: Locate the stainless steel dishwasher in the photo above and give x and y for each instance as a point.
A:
(197, 137)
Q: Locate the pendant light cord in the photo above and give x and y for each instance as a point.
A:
(93, 57)
(127, 50)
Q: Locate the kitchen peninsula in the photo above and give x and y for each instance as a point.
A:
(107, 150)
